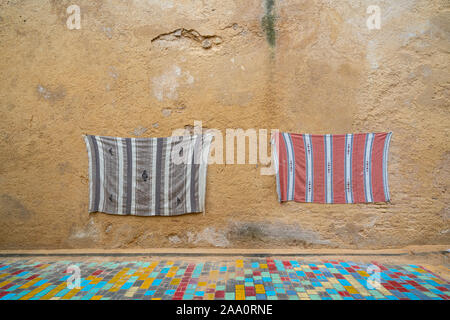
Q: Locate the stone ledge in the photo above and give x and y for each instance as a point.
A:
(410, 250)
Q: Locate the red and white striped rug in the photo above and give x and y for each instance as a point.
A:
(341, 168)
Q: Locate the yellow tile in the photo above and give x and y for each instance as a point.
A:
(96, 297)
(239, 287)
(71, 293)
(4, 283)
(201, 284)
(34, 292)
(209, 296)
(351, 290)
(147, 283)
(263, 266)
(212, 285)
(30, 283)
(54, 291)
(175, 281)
(240, 295)
(170, 274)
(363, 273)
(3, 275)
(259, 288)
(156, 298)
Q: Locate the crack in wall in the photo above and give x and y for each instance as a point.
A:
(205, 41)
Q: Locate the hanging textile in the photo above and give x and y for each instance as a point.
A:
(341, 168)
(147, 176)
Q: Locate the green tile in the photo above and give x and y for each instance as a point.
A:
(229, 295)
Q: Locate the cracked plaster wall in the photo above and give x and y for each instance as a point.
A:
(146, 68)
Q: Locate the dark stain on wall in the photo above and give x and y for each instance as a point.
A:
(11, 207)
(268, 22)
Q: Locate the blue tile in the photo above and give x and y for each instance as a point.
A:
(156, 282)
(149, 293)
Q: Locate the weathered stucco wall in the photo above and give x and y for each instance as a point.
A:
(145, 68)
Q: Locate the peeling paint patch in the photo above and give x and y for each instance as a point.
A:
(113, 72)
(166, 85)
(51, 95)
(209, 235)
(139, 131)
(371, 55)
(174, 239)
(108, 32)
(85, 236)
(166, 4)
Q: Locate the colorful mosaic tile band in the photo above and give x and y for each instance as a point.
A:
(249, 279)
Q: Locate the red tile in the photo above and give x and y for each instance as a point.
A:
(250, 291)
(17, 272)
(220, 294)
(9, 285)
(344, 293)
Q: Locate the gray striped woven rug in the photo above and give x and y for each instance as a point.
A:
(147, 176)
